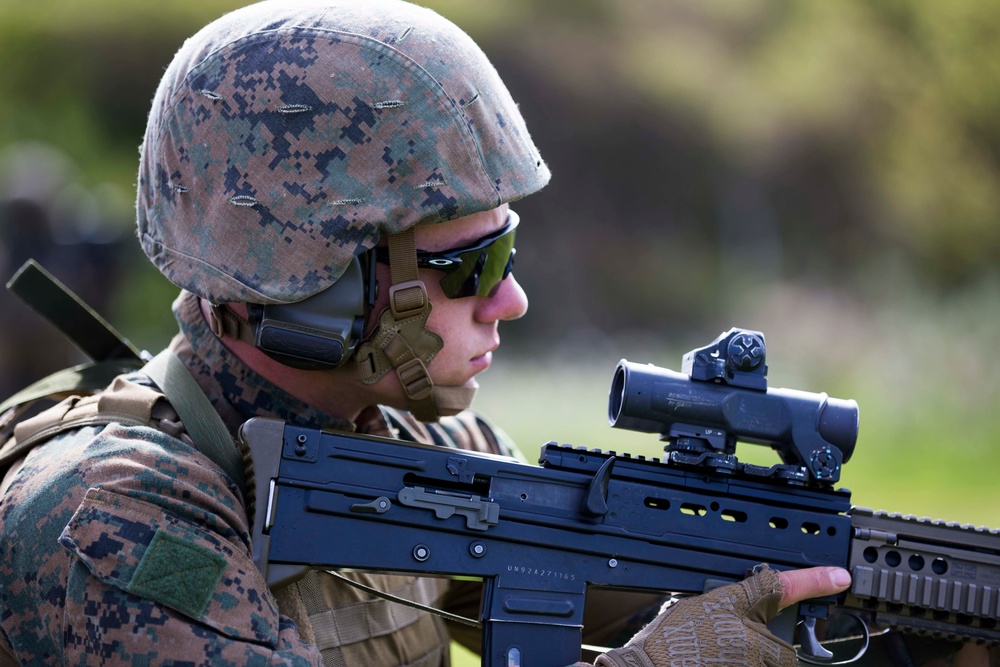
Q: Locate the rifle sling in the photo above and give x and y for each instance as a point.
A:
(80, 323)
(114, 355)
(202, 422)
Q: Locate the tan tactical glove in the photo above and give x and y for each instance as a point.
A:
(726, 626)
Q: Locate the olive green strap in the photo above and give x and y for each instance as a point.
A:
(196, 412)
(112, 353)
(115, 355)
(80, 323)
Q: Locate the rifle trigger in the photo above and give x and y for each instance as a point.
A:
(811, 648)
(380, 505)
(597, 494)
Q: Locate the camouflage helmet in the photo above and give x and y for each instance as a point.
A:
(287, 137)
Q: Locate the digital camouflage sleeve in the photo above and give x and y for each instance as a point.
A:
(112, 542)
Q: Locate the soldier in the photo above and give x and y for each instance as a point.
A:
(318, 166)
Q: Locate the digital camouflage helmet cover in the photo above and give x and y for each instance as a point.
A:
(286, 138)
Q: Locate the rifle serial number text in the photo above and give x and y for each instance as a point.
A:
(540, 572)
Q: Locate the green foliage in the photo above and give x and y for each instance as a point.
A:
(80, 74)
(907, 94)
(827, 172)
(875, 125)
(462, 657)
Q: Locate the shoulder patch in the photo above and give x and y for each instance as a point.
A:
(146, 551)
(177, 572)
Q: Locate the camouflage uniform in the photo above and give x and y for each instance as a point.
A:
(129, 545)
(284, 139)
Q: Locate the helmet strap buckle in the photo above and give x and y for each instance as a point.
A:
(408, 299)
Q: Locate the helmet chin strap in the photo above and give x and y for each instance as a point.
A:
(403, 343)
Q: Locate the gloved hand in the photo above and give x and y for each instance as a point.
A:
(726, 626)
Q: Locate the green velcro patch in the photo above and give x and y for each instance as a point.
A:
(178, 573)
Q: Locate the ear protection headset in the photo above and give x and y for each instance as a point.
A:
(322, 331)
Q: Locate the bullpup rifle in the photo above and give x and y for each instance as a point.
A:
(539, 536)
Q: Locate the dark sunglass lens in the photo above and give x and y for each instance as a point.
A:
(498, 265)
(506, 272)
(480, 271)
(464, 280)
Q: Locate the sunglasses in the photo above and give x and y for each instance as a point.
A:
(472, 270)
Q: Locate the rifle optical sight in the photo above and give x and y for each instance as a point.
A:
(703, 414)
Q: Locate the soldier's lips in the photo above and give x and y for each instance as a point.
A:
(482, 362)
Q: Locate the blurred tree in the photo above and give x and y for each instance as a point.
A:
(80, 74)
(699, 149)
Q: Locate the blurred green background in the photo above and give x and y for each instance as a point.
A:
(824, 172)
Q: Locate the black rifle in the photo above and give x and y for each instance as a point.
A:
(538, 536)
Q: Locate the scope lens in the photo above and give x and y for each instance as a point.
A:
(617, 396)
